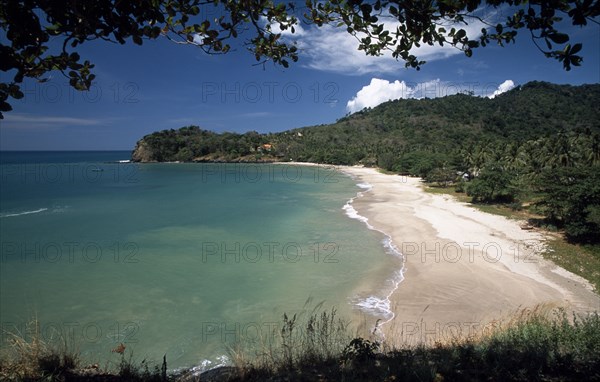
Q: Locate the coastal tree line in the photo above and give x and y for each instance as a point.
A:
(537, 145)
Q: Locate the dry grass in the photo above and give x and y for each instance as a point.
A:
(402, 335)
(309, 336)
(32, 357)
(541, 343)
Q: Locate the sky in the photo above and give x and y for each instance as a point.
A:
(163, 85)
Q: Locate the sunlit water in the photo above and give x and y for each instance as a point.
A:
(177, 259)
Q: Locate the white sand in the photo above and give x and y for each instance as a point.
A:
(463, 267)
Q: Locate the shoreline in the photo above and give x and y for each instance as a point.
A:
(373, 305)
(463, 268)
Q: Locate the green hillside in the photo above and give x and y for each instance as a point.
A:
(538, 143)
(398, 133)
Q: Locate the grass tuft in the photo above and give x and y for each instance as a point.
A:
(533, 344)
(540, 344)
(30, 357)
(310, 336)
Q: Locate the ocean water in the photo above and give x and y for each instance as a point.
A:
(179, 259)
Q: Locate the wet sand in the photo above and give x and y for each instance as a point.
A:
(463, 268)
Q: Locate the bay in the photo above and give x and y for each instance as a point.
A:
(176, 259)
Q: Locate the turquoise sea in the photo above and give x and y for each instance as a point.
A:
(178, 259)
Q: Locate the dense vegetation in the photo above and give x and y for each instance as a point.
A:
(532, 345)
(538, 143)
(192, 143)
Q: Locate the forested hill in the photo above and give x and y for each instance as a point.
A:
(409, 135)
(395, 134)
(538, 143)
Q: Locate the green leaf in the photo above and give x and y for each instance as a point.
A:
(366, 9)
(558, 38)
(4, 106)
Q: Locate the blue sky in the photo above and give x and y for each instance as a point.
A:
(162, 85)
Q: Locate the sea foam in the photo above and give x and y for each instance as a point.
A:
(207, 365)
(13, 214)
(376, 305)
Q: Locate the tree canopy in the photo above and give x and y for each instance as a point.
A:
(400, 26)
(538, 143)
(397, 26)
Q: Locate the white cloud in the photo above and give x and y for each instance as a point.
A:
(502, 88)
(16, 120)
(298, 29)
(334, 50)
(379, 91)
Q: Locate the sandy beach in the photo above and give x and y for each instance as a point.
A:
(463, 268)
